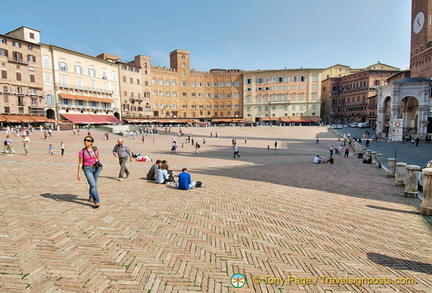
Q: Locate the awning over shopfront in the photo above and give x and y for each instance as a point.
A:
(299, 119)
(315, 118)
(270, 119)
(24, 119)
(85, 98)
(171, 121)
(228, 120)
(90, 119)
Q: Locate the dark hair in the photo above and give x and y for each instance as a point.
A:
(89, 136)
(164, 161)
(158, 161)
(184, 169)
(165, 166)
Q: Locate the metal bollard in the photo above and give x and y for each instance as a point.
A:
(391, 167)
(400, 174)
(379, 160)
(411, 181)
(426, 206)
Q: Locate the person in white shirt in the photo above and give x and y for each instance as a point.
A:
(318, 160)
(26, 142)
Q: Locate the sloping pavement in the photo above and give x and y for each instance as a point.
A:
(284, 223)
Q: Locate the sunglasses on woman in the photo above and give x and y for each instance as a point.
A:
(88, 140)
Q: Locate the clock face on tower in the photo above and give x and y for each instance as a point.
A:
(419, 22)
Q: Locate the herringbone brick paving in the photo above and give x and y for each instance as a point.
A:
(270, 213)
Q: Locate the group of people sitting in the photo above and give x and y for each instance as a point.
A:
(161, 174)
(318, 160)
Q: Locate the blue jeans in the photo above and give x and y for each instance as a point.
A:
(92, 175)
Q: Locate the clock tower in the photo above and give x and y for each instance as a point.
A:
(421, 39)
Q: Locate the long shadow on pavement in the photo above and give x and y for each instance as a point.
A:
(67, 197)
(400, 263)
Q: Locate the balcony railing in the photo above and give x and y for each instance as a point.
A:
(84, 89)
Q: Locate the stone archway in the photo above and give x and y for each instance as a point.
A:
(408, 111)
(406, 99)
(50, 114)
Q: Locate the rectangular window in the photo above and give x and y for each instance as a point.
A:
(47, 77)
(4, 74)
(280, 79)
(236, 83)
(64, 81)
(63, 66)
(31, 58)
(18, 76)
(249, 81)
(46, 62)
(32, 78)
(131, 80)
(303, 78)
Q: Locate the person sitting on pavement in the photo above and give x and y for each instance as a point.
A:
(318, 160)
(367, 160)
(162, 175)
(151, 175)
(330, 160)
(185, 181)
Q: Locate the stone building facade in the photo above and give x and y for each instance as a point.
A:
(352, 98)
(182, 92)
(21, 85)
(281, 95)
(78, 85)
(409, 98)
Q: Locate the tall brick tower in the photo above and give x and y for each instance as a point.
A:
(179, 59)
(421, 39)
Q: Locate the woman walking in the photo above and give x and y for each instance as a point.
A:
(89, 162)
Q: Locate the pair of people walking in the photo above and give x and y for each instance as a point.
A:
(89, 161)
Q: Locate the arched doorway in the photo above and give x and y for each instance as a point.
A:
(387, 115)
(50, 114)
(408, 111)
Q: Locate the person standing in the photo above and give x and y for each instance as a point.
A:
(122, 151)
(346, 152)
(87, 158)
(331, 150)
(26, 142)
(62, 146)
(236, 151)
(275, 144)
(417, 140)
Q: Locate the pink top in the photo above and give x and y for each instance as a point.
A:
(88, 160)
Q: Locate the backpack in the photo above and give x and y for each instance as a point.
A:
(5, 142)
(198, 184)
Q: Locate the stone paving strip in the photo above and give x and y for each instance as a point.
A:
(285, 224)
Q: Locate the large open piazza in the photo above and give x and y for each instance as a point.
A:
(282, 222)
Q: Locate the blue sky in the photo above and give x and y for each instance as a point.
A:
(248, 35)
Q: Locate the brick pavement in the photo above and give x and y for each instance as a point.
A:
(269, 213)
